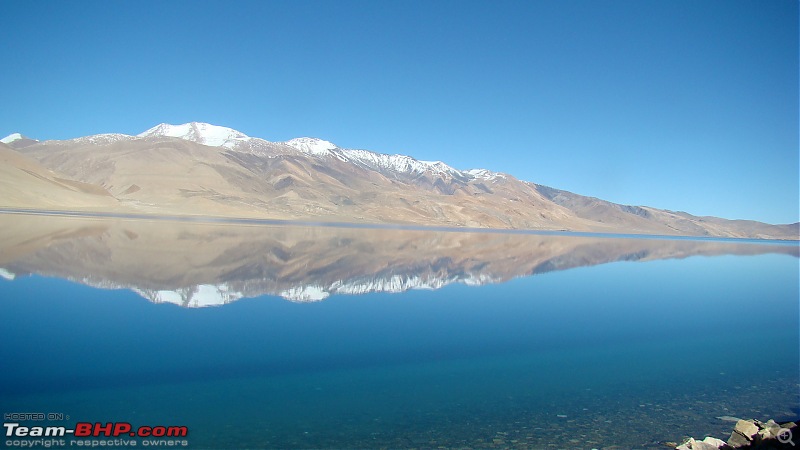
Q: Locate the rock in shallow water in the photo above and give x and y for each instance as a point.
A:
(729, 418)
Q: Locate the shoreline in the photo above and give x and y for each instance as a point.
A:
(200, 219)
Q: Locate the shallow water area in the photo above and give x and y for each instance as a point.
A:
(332, 338)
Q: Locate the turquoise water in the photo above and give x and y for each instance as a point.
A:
(628, 354)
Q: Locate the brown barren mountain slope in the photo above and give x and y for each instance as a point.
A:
(258, 179)
(26, 183)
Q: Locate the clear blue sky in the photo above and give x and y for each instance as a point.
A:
(685, 105)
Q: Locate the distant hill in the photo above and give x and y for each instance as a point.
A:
(207, 170)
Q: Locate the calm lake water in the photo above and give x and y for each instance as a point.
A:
(454, 339)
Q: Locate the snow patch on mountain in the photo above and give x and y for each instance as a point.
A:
(371, 160)
(397, 163)
(312, 146)
(485, 174)
(202, 133)
(105, 138)
(11, 138)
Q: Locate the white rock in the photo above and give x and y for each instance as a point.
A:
(712, 443)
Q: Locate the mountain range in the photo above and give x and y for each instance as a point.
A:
(198, 169)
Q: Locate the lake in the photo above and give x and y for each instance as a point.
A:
(287, 336)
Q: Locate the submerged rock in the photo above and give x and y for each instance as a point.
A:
(729, 418)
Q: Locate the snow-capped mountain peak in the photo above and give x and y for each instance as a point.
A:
(202, 133)
(17, 140)
(12, 137)
(312, 146)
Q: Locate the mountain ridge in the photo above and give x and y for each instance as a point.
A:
(219, 136)
(202, 169)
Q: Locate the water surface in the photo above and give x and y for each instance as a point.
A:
(454, 339)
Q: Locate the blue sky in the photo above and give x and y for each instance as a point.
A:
(683, 105)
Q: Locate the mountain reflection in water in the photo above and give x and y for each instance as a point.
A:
(627, 355)
(195, 264)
